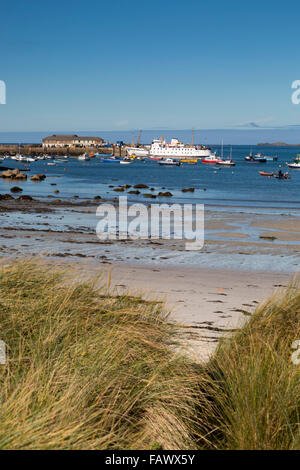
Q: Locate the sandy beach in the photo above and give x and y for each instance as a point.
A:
(246, 257)
(206, 303)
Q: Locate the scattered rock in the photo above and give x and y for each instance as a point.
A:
(56, 191)
(119, 190)
(134, 192)
(96, 198)
(150, 195)
(271, 239)
(25, 197)
(20, 176)
(38, 177)
(7, 174)
(6, 197)
(188, 190)
(126, 186)
(141, 186)
(16, 189)
(166, 194)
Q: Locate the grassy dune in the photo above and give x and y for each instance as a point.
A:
(253, 396)
(89, 370)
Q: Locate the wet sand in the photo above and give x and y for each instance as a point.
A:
(245, 258)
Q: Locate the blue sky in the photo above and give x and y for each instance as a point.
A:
(108, 65)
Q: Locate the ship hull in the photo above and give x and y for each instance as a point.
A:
(181, 155)
(210, 161)
(139, 152)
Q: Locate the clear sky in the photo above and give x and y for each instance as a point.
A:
(129, 64)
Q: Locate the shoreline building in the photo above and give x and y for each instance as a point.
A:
(70, 140)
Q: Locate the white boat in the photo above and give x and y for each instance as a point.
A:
(138, 151)
(21, 158)
(84, 157)
(169, 162)
(125, 162)
(296, 164)
(229, 162)
(176, 149)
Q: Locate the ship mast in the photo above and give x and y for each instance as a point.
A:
(139, 139)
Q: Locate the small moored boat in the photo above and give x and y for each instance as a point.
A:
(84, 157)
(296, 164)
(212, 159)
(266, 157)
(169, 162)
(282, 176)
(229, 162)
(110, 160)
(265, 173)
(190, 161)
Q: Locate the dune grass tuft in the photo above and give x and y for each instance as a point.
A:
(252, 398)
(88, 370)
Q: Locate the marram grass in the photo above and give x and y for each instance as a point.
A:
(86, 370)
(254, 386)
(89, 370)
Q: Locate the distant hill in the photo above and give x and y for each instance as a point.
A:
(277, 144)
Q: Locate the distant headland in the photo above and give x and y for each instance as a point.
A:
(277, 144)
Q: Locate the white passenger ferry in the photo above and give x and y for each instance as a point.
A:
(176, 149)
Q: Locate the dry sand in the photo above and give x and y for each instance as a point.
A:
(205, 303)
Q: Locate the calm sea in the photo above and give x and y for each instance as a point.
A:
(238, 186)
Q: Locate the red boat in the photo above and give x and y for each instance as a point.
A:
(212, 159)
